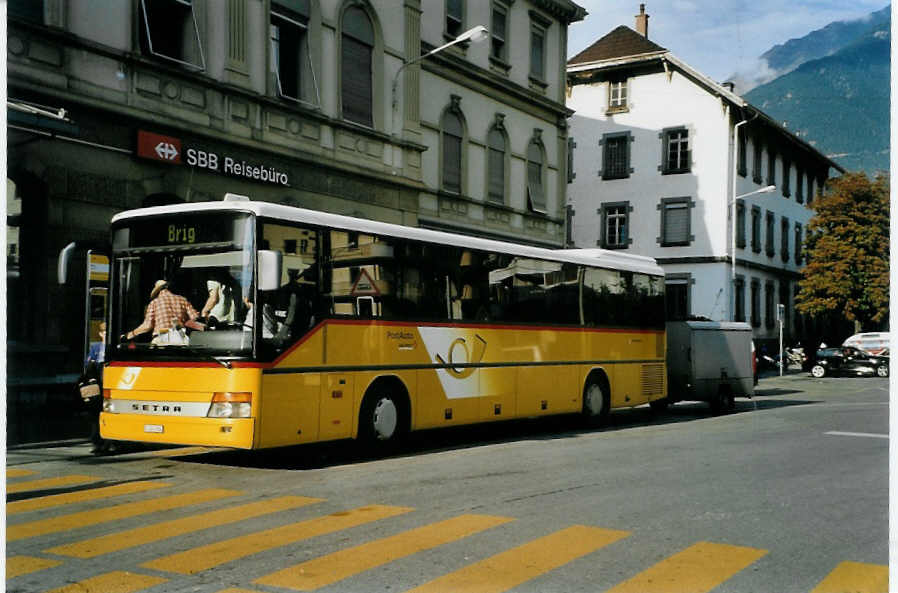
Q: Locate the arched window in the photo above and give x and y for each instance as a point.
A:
(452, 131)
(356, 66)
(495, 141)
(536, 193)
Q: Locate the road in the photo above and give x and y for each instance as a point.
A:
(789, 493)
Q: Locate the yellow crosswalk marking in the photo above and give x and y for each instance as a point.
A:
(513, 567)
(697, 569)
(168, 529)
(112, 582)
(855, 577)
(181, 451)
(55, 500)
(113, 513)
(335, 567)
(206, 557)
(16, 566)
(235, 590)
(47, 483)
(12, 472)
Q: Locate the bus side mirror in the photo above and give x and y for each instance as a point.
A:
(62, 263)
(269, 269)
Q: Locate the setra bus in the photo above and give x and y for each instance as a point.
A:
(331, 327)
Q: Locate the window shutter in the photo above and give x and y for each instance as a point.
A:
(356, 80)
(676, 223)
(451, 163)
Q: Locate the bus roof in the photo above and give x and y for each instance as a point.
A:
(590, 257)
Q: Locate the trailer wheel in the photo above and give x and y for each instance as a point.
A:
(596, 401)
(724, 402)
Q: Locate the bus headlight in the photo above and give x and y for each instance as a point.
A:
(227, 404)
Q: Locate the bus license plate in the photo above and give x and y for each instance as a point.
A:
(152, 428)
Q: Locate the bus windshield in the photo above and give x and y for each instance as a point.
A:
(183, 286)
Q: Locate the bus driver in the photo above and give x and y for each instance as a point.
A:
(166, 311)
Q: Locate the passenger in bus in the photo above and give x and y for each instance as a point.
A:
(167, 311)
(220, 305)
(293, 305)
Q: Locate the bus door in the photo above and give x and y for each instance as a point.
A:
(96, 290)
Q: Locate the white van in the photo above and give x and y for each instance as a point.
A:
(872, 342)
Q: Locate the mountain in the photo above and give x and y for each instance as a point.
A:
(782, 59)
(839, 103)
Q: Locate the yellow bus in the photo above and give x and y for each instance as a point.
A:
(331, 327)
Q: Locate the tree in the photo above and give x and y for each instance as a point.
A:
(847, 253)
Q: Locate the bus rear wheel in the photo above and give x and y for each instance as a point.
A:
(596, 403)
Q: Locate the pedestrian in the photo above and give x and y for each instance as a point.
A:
(91, 387)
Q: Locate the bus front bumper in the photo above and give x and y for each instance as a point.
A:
(211, 432)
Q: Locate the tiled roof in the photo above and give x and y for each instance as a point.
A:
(621, 42)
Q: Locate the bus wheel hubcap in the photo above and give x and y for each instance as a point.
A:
(594, 400)
(385, 419)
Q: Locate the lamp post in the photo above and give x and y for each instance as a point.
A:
(474, 34)
(764, 190)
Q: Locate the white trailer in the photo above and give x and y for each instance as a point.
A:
(709, 361)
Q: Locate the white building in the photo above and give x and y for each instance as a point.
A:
(654, 174)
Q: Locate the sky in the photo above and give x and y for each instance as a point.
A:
(717, 37)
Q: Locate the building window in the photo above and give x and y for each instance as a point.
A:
(290, 56)
(356, 63)
(617, 95)
(771, 226)
(787, 175)
(615, 225)
(168, 30)
(771, 166)
(499, 33)
(740, 224)
(538, 27)
(799, 185)
(452, 130)
(675, 222)
(740, 299)
(536, 193)
(798, 241)
(741, 160)
(496, 144)
(26, 10)
(571, 174)
(784, 239)
(677, 296)
(770, 305)
(810, 197)
(755, 302)
(756, 164)
(455, 18)
(13, 227)
(676, 151)
(756, 229)
(616, 155)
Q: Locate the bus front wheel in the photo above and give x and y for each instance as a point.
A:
(382, 420)
(596, 403)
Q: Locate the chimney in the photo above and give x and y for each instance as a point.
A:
(642, 22)
(730, 86)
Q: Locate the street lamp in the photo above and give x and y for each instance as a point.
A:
(474, 35)
(764, 190)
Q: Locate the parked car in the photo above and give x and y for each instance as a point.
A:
(848, 360)
(871, 342)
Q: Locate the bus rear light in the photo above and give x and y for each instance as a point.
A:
(107, 400)
(228, 404)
